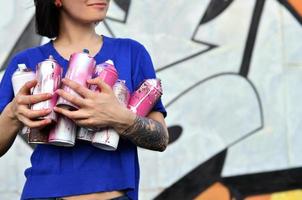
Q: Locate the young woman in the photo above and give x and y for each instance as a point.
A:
(82, 172)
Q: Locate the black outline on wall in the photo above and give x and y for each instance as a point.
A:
(125, 6)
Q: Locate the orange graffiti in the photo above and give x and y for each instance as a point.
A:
(214, 192)
(297, 5)
(260, 197)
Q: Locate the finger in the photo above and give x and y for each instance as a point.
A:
(79, 101)
(25, 89)
(74, 115)
(32, 99)
(34, 114)
(35, 124)
(83, 91)
(104, 87)
(81, 123)
(87, 123)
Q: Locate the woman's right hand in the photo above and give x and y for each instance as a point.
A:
(20, 107)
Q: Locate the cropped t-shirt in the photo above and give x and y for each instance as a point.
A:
(63, 171)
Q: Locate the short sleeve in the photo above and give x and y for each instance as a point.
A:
(6, 88)
(144, 69)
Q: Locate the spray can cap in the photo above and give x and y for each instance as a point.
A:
(22, 67)
(50, 57)
(121, 81)
(109, 62)
(86, 51)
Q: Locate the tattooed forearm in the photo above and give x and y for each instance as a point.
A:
(147, 133)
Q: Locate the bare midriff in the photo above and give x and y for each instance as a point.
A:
(95, 196)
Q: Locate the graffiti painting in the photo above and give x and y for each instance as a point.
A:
(231, 76)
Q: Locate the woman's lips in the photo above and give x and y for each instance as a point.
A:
(98, 5)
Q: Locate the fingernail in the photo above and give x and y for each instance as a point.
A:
(49, 95)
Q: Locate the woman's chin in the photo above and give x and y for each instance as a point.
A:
(93, 20)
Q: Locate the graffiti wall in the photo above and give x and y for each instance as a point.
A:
(232, 77)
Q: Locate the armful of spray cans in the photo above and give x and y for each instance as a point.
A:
(81, 67)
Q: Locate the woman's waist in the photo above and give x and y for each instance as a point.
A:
(114, 195)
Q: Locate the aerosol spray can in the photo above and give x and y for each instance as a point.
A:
(63, 133)
(19, 78)
(49, 75)
(80, 68)
(38, 136)
(85, 134)
(143, 99)
(108, 73)
(108, 138)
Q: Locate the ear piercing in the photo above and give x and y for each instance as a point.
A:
(58, 3)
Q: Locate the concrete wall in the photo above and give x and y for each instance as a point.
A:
(231, 72)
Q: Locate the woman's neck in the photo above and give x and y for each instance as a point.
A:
(73, 32)
(74, 36)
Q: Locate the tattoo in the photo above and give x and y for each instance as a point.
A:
(147, 133)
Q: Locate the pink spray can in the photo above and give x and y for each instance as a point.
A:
(143, 99)
(108, 138)
(108, 73)
(48, 74)
(63, 133)
(80, 68)
(19, 78)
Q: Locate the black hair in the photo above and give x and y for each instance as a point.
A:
(47, 18)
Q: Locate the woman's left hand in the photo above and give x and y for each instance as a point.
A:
(96, 109)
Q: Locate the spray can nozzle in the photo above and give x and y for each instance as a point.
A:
(51, 57)
(109, 62)
(22, 67)
(86, 51)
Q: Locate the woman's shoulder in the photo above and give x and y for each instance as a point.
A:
(28, 52)
(28, 55)
(126, 43)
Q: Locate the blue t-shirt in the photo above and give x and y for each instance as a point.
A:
(82, 169)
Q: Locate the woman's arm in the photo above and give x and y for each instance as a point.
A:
(9, 129)
(97, 110)
(147, 132)
(17, 113)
